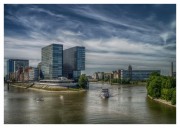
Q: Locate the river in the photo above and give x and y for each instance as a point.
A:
(127, 105)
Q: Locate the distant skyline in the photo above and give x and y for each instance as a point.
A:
(142, 35)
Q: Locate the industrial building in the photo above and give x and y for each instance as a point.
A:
(73, 62)
(52, 61)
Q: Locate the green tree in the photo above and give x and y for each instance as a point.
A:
(162, 87)
(83, 81)
(173, 100)
(152, 76)
(163, 83)
(119, 81)
(106, 79)
(170, 83)
(125, 81)
(167, 93)
(155, 74)
(114, 80)
(154, 87)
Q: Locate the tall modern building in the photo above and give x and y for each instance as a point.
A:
(14, 64)
(73, 62)
(52, 61)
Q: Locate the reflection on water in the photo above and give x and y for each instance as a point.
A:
(127, 105)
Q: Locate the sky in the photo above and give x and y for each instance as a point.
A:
(114, 35)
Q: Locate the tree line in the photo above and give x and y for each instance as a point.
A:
(83, 81)
(164, 87)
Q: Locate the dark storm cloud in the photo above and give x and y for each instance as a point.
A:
(126, 34)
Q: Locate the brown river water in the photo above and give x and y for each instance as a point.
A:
(127, 105)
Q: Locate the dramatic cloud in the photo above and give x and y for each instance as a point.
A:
(114, 35)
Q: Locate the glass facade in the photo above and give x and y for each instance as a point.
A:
(124, 74)
(14, 64)
(73, 61)
(142, 74)
(137, 74)
(52, 61)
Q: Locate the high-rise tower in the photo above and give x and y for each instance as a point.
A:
(52, 61)
(73, 62)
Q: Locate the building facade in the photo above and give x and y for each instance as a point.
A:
(33, 74)
(108, 75)
(15, 67)
(142, 74)
(124, 74)
(116, 74)
(95, 75)
(14, 64)
(100, 75)
(137, 75)
(40, 74)
(73, 62)
(52, 61)
(134, 75)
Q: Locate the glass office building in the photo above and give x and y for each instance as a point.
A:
(14, 64)
(142, 74)
(52, 61)
(137, 74)
(73, 62)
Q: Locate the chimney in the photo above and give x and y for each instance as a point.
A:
(171, 73)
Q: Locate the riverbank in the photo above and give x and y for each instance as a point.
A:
(46, 88)
(162, 101)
